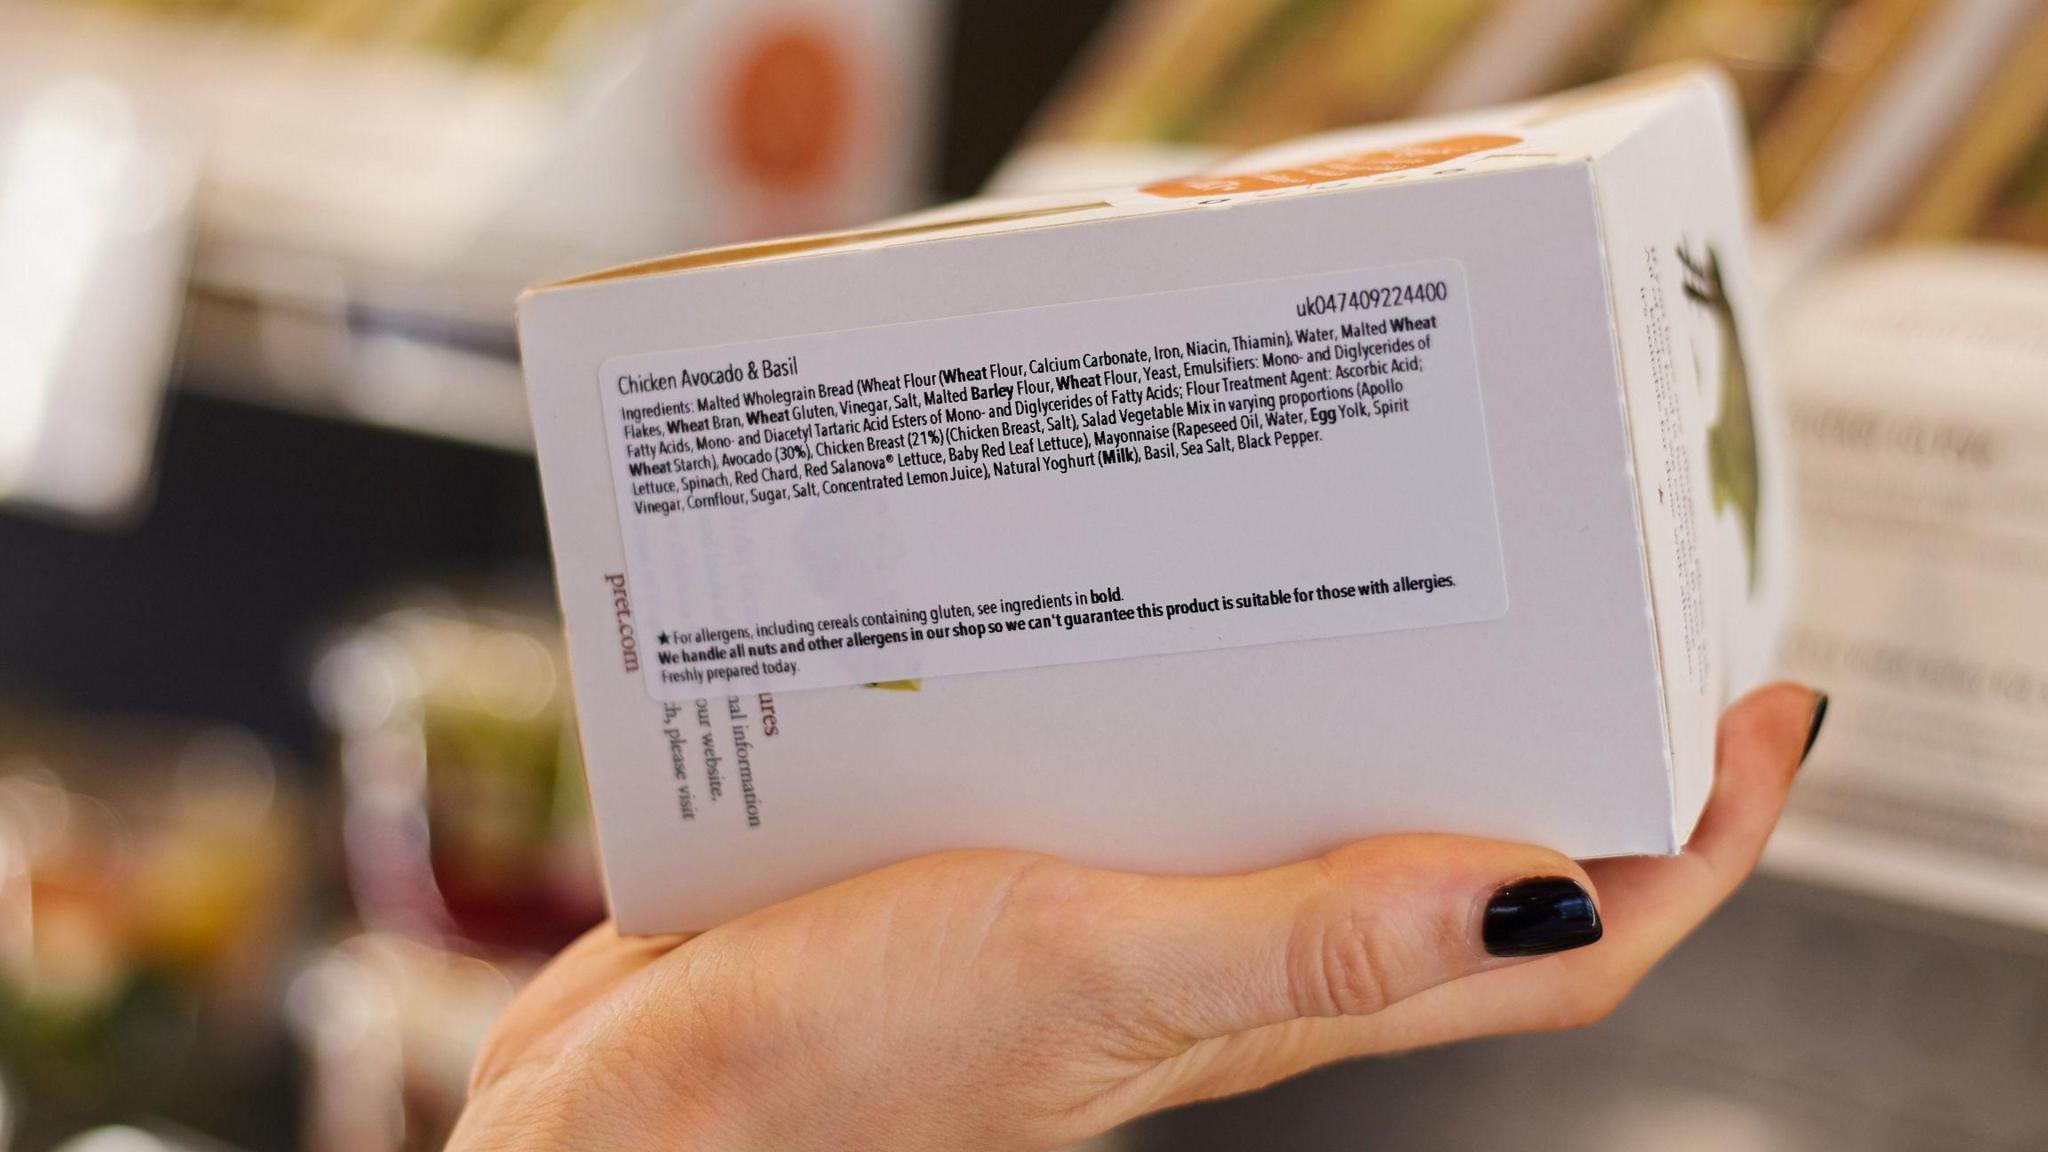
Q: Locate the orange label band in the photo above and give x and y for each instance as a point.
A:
(1420, 154)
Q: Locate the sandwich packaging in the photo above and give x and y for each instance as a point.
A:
(1415, 478)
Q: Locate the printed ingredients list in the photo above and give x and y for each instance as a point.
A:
(1243, 464)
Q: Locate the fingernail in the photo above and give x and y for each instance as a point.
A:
(1540, 916)
(1820, 715)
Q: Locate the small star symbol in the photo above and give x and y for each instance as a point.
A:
(662, 636)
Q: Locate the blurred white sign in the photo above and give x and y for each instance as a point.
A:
(1914, 381)
(94, 224)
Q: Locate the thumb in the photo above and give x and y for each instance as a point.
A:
(1344, 935)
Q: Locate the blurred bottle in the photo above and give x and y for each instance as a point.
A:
(465, 817)
(469, 855)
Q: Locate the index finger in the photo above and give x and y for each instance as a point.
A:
(1763, 739)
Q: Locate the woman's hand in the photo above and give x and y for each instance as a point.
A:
(1005, 1000)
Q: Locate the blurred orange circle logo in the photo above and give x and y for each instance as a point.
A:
(787, 112)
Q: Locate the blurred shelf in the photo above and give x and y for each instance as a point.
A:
(296, 336)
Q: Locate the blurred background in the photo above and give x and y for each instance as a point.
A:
(290, 799)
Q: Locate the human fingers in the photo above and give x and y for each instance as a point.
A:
(1653, 903)
(1345, 935)
(1648, 904)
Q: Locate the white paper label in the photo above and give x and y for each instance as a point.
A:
(1281, 460)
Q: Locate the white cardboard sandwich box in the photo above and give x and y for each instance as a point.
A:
(1410, 478)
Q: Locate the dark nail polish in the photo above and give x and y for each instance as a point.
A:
(1820, 715)
(1539, 916)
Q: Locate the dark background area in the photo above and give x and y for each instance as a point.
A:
(269, 528)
